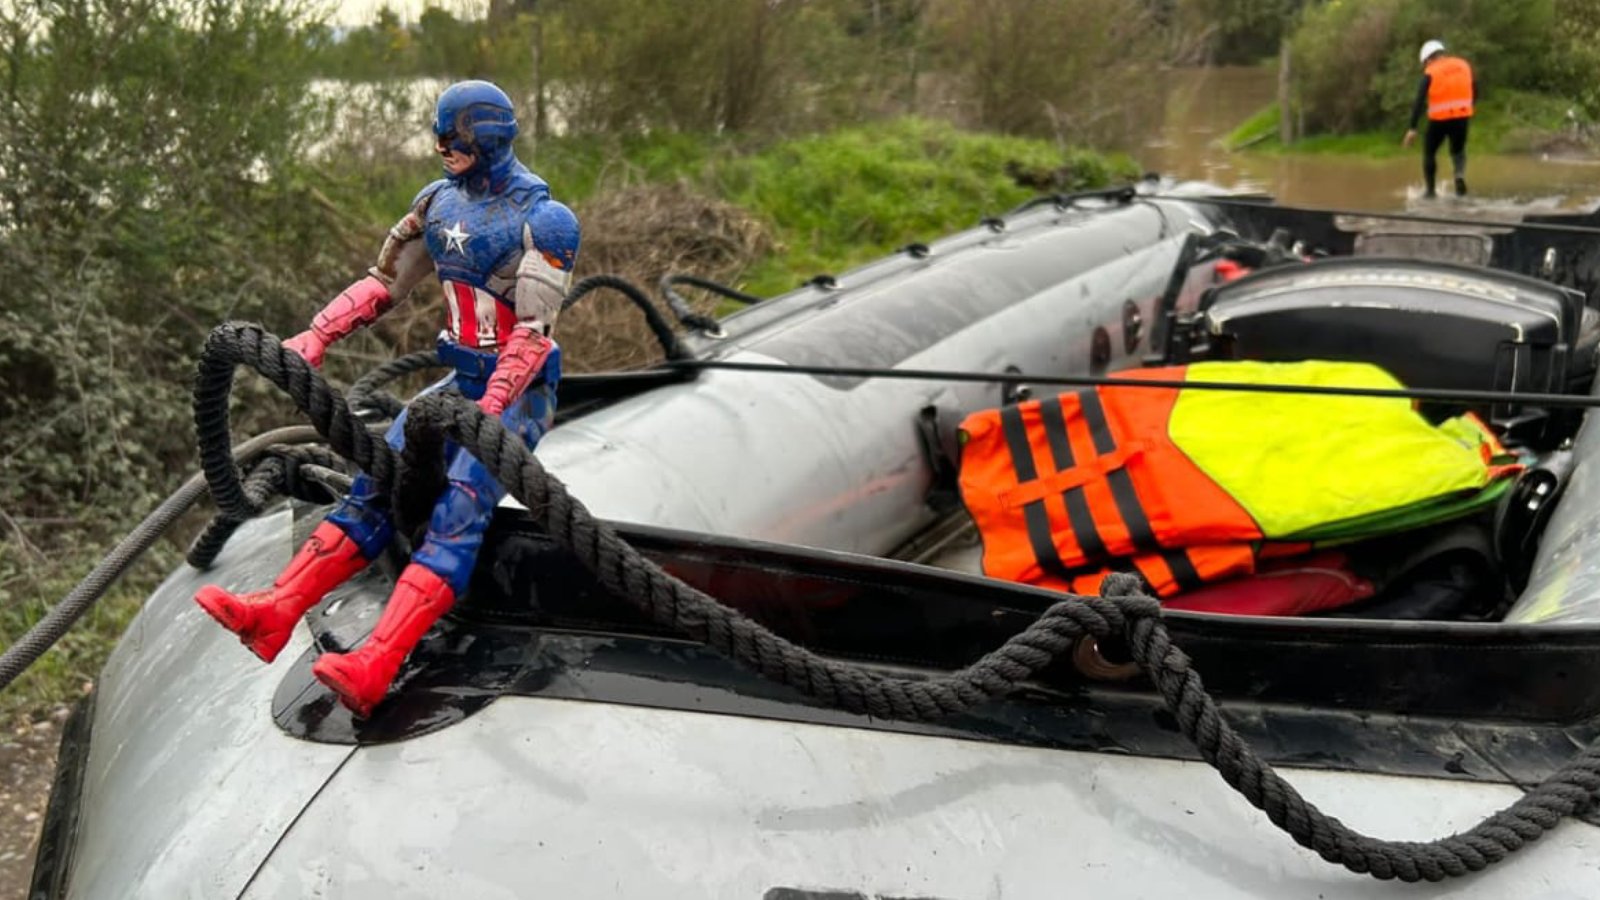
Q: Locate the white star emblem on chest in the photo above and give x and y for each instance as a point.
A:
(456, 239)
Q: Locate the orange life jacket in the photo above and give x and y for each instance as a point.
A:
(1065, 486)
(1449, 88)
(1076, 486)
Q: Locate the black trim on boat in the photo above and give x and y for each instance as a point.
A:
(583, 392)
(1121, 195)
(1576, 223)
(1493, 703)
(1556, 249)
(58, 833)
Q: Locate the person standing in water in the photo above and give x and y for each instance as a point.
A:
(1448, 92)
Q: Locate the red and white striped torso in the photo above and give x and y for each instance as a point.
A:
(477, 244)
(476, 317)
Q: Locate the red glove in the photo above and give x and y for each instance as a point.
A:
(357, 306)
(520, 361)
(309, 346)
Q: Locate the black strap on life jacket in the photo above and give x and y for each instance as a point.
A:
(1080, 516)
(1034, 514)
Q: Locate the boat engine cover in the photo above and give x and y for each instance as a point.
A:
(1431, 324)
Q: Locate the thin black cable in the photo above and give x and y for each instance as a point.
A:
(671, 347)
(233, 344)
(690, 318)
(1123, 194)
(1438, 395)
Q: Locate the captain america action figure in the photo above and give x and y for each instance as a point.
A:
(503, 251)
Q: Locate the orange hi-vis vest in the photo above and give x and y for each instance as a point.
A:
(1085, 496)
(1190, 487)
(1449, 88)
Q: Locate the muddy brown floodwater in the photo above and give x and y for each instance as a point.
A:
(1203, 105)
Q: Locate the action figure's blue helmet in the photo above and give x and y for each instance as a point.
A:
(476, 117)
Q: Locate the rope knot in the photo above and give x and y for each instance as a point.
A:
(1127, 592)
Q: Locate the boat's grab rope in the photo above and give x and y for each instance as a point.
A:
(1123, 611)
(671, 347)
(689, 318)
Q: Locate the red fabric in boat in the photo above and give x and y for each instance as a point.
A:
(1286, 587)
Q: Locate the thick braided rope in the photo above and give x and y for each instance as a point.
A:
(265, 480)
(268, 479)
(233, 344)
(367, 394)
(623, 571)
(1569, 791)
(1123, 610)
(630, 576)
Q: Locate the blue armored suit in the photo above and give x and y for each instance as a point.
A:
(504, 258)
(503, 251)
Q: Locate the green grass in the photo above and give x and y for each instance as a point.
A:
(844, 198)
(580, 168)
(1262, 126)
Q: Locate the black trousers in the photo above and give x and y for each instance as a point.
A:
(1455, 130)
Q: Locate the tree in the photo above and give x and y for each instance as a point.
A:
(1075, 69)
(1237, 31)
(153, 151)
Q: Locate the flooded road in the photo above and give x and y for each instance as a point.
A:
(1204, 105)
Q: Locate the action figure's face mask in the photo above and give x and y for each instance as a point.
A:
(457, 155)
(474, 126)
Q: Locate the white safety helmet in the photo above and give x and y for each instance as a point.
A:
(1430, 48)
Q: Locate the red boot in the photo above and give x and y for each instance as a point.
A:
(362, 677)
(264, 620)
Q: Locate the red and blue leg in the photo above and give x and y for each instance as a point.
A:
(352, 535)
(439, 571)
